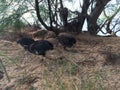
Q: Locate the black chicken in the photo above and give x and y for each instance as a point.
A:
(66, 41)
(40, 47)
(25, 42)
(36, 47)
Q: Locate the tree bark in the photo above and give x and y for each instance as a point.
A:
(94, 15)
(83, 14)
(100, 5)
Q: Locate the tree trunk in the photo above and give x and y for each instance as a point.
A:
(38, 15)
(92, 18)
(82, 15)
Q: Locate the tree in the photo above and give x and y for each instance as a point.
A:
(54, 16)
(110, 19)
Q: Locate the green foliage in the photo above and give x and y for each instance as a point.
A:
(12, 20)
(12, 12)
(43, 12)
(71, 0)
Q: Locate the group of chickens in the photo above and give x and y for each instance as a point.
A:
(39, 47)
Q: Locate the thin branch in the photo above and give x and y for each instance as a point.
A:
(8, 78)
(61, 4)
(26, 21)
(50, 13)
(55, 17)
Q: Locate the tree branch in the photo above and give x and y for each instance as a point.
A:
(50, 13)
(61, 4)
(39, 16)
(100, 5)
(95, 13)
(83, 14)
